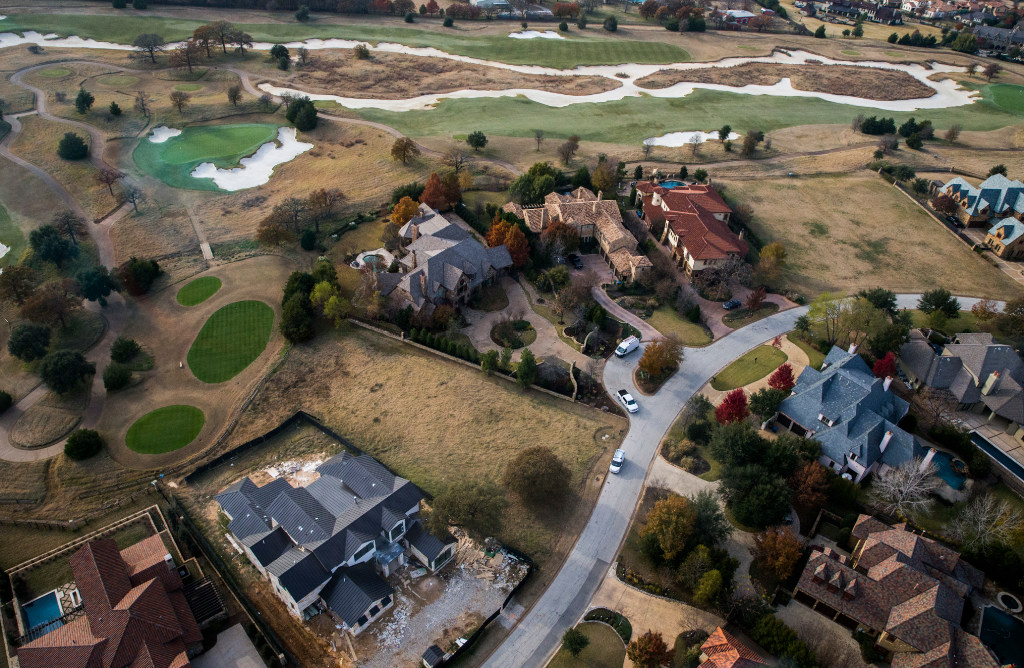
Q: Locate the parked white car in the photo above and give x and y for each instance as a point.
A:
(628, 401)
(626, 346)
(618, 459)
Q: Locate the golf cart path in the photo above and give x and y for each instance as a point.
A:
(538, 633)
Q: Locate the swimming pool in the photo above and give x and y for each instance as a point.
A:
(43, 614)
(672, 184)
(944, 462)
(998, 455)
(1004, 634)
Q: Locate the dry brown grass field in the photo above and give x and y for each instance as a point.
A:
(436, 422)
(338, 72)
(872, 84)
(844, 233)
(37, 143)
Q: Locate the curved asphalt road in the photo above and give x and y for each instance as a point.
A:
(539, 633)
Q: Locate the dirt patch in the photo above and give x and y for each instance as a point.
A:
(864, 82)
(42, 425)
(398, 76)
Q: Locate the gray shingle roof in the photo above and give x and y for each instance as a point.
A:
(425, 542)
(352, 591)
(298, 572)
(268, 548)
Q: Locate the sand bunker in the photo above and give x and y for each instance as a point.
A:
(534, 34)
(163, 133)
(677, 139)
(257, 168)
(4, 250)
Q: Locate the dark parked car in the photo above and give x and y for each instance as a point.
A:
(731, 304)
(576, 261)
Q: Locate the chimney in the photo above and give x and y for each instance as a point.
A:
(990, 383)
(885, 441)
(423, 283)
(415, 230)
(886, 383)
(853, 348)
(412, 258)
(741, 235)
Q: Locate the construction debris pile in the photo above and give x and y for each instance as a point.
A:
(490, 563)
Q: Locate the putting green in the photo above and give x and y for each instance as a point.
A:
(230, 340)
(198, 291)
(165, 429)
(1007, 97)
(172, 161)
(188, 88)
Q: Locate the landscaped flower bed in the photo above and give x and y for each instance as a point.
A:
(513, 333)
(612, 619)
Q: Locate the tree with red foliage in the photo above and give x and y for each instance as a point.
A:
(381, 6)
(649, 651)
(733, 408)
(756, 298)
(944, 204)
(885, 367)
(649, 8)
(566, 10)
(782, 378)
(433, 194)
(810, 485)
(432, 7)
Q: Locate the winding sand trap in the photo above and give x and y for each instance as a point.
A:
(677, 139)
(534, 34)
(163, 133)
(257, 168)
(948, 92)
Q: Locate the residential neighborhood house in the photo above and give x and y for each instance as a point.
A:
(852, 414)
(724, 650)
(1006, 239)
(881, 12)
(593, 218)
(133, 613)
(696, 224)
(905, 590)
(996, 197)
(999, 39)
(328, 546)
(443, 264)
(982, 376)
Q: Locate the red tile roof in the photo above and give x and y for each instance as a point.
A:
(724, 650)
(690, 215)
(135, 613)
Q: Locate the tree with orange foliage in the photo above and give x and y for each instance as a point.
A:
(451, 188)
(661, 357)
(782, 378)
(498, 231)
(649, 651)
(518, 246)
(433, 193)
(671, 523)
(810, 485)
(404, 211)
(562, 234)
(776, 551)
(733, 408)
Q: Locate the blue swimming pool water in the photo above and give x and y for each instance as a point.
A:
(944, 462)
(672, 184)
(998, 455)
(43, 612)
(1004, 634)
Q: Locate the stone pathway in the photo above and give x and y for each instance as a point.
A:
(548, 344)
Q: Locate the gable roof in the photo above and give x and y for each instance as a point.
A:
(724, 650)
(995, 196)
(689, 210)
(427, 543)
(128, 621)
(863, 414)
(353, 590)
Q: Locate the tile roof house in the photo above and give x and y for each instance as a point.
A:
(592, 218)
(983, 376)
(995, 197)
(325, 546)
(1006, 239)
(724, 650)
(135, 613)
(906, 590)
(444, 264)
(696, 224)
(852, 414)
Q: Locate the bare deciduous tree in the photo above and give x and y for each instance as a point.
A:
(108, 177)
(454, 159)
(133, 195)
(538, 136)
(180, 100)
(983, 521)
(935, 405)
(142, 102)
(235, 95)
(905, 488)
(695, 141)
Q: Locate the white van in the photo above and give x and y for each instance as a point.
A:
(627, 346)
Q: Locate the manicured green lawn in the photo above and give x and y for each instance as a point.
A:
(224, 145)
(604, 650)
(198, 291)
(230, 340)
(165, 429)
(742, 317)
(815, 357)
(188, 87)
(54, 72)
(752, 366)
(1007, 97)
(966, 322)
(590, 48)
(667, 321)
(10, 236)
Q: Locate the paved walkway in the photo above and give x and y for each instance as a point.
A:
(647, 332)
(548, 344)
(646, 612)
(797, 359)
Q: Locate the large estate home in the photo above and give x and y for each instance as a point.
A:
(696, 224)
(593, 218)
(133, 612)
(996, 197)
(1006, 239)
(983, 376)
(905, 590)
(887, 13)
(443, 264)
(326, 546)
(852, 414)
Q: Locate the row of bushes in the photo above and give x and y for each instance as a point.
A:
(443, 344)
(779, 640)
